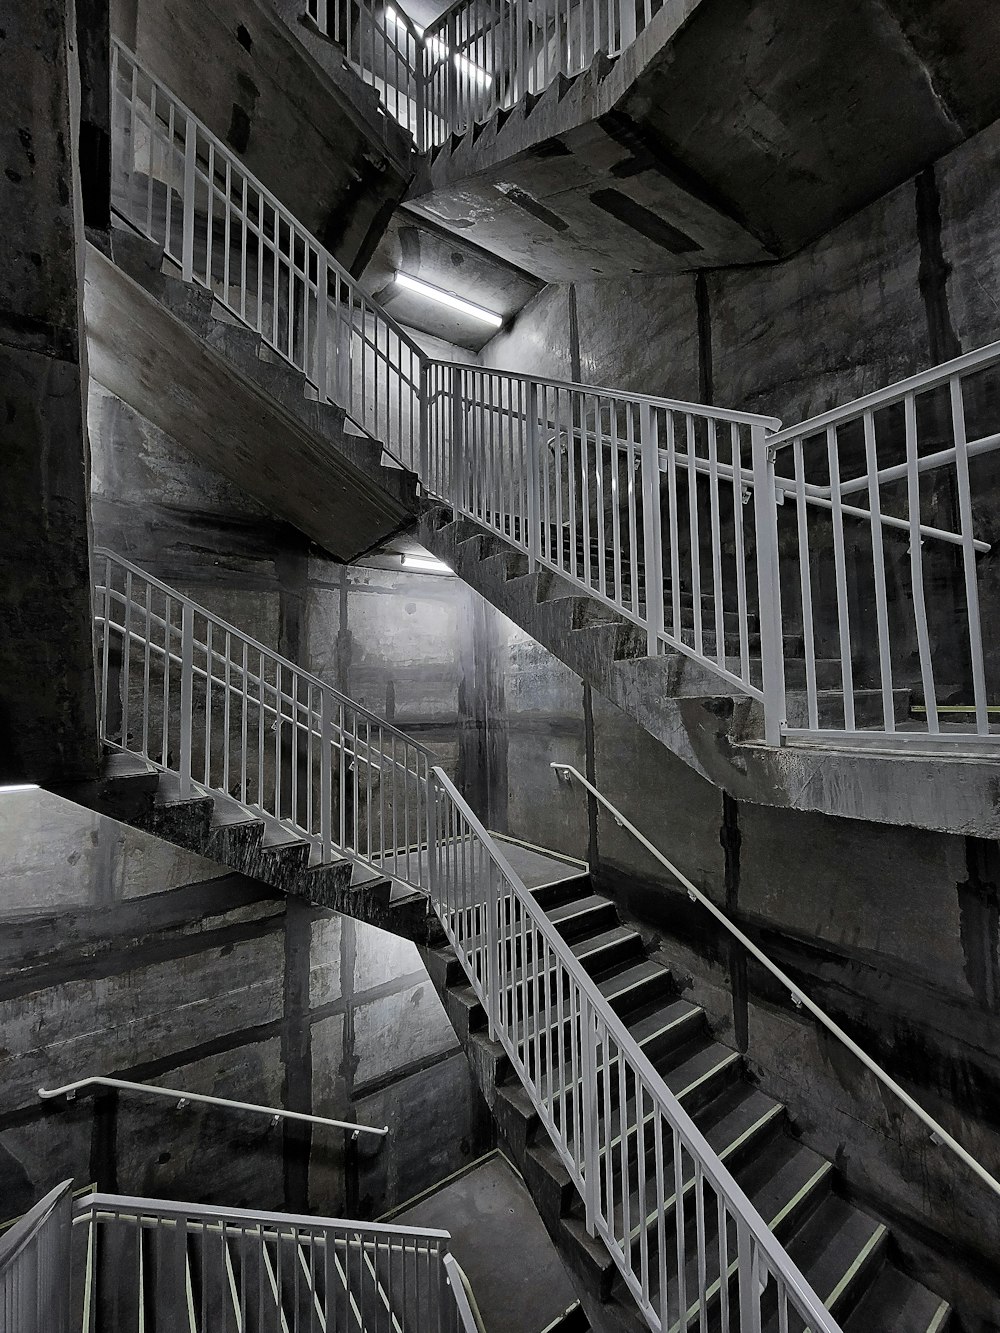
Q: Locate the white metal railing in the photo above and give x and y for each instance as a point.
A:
(183, 1099)
(35, 1267)
(470, 1319)
(486, 55)
(939, 1135)
(181, 186)
(888, 594)
(478, 57)
(385, 48)
(193, 695)
(188, 1267)
(571, 475)
(643, 502)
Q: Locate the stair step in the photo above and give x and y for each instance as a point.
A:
(896, 1302)
(583, 915)
(837, 1249)
(631, 987)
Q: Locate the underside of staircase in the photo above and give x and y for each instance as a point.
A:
(711, 724)
(848, 1255)
(173, 353)
(134, 792)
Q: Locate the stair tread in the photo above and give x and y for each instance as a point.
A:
(617, 985)
(831, 1244)
(898, 1302)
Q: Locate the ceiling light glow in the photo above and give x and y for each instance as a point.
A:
(449, 299)
(19, 786)
(426, 564)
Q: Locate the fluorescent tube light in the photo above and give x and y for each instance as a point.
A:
(447, 298)
(19, 786)
(426, 564)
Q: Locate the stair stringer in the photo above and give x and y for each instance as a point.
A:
(710, 724)
(133, 792)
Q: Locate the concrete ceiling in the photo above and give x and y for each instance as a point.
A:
(732, 132)
(429, 252)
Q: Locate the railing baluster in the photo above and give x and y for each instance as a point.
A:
(968, 555)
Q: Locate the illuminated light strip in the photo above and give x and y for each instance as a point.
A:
(448, 299)
(440, 50)
(426, 564)
(19, 786)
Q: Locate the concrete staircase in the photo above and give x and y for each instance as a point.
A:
(846, 1254)
(220, 829)
(174, 353)
(714, 726)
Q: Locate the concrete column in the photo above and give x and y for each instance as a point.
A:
(47, 698)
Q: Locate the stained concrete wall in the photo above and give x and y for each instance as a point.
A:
(47, 697)
(316, 144)
(124, 956)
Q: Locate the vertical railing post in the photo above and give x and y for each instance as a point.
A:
(533, 518)
(422, 134)
(457, 439)
(187, 204)
(493, 979)
(322, 324)
(424, 423)
(651, 530)
(451, 75)
(591, 1155)
(187, 697)
(772, 652)
(326, 775)
(433, 869)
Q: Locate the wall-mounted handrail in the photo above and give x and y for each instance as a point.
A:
(798, 997)
(182, 1098)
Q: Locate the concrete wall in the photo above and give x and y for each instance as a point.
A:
(47, 699)
(125, 956)
(250, 80)
(907, 282)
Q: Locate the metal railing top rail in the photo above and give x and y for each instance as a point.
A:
(21, 1232)
(286, 217)
(621, 395)
(938, 1133)
(182, 1098)
(170, 1208)
(892, 393)
(102, 553)
(712, 1167)
(468, 1309)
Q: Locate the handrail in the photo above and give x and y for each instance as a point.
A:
(620, 395)
(893, 393)
(938, 1133)
(274, 1113)
(212, 1212)
(468, 1309)
(23, 1230)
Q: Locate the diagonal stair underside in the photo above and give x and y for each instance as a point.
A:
(168, 349)
(708, 722)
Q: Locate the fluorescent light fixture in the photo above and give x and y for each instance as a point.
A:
(440, 50)
(426, 564)
(447, 298)
(19, 786)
